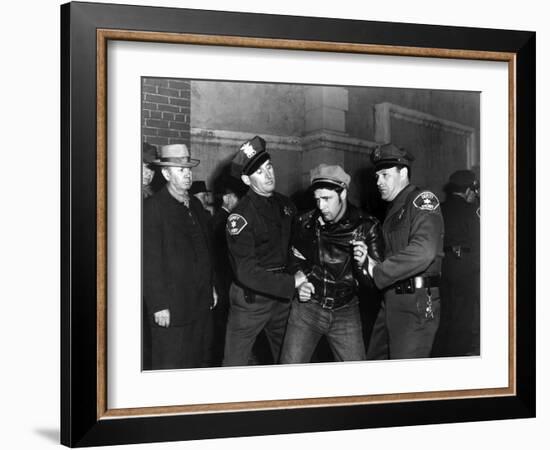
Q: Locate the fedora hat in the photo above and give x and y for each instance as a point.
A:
(175, 155)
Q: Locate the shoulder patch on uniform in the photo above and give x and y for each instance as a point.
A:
(426, 201)
(236, 224)
(478, 213)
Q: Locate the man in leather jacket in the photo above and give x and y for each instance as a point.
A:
(326, 241)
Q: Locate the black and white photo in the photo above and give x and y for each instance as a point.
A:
(299, 223)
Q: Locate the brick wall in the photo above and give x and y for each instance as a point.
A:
(166, 111)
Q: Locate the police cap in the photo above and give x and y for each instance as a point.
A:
(250, 157)
(389, 155)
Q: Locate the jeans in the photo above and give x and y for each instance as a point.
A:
(308, 322)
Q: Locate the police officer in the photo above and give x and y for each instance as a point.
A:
(458, 333)
(258, 238)
(410, 273)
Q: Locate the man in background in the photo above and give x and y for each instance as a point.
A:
(200, 191)
(228, 196)
(458, 333)
(178, 275)
(148, 155)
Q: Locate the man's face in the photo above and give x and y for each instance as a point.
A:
(330, 204)
(470, 196)
(230, 200)
(179, 178)
(391, 182)
(147, 174)
(263, 180)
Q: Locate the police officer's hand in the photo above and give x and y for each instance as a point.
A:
(214, 298)
(370, 266)
(360, 252)
(162, 318)
(305, 290)
(299, 278)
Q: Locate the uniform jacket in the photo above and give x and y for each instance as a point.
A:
(177, 266)
(413, 237)
(328, 251)
(258, 238)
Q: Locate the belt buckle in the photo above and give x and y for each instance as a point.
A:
(328, 303)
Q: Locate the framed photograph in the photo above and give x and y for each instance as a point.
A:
(217, 96)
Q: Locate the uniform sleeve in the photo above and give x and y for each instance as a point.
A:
(425, 234)
(298, 257)
(155, 289)
(375, 244)
(248, 272)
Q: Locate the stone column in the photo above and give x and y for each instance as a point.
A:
(325, 118)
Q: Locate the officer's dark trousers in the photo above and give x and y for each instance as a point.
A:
(247, 319)
(402, 330)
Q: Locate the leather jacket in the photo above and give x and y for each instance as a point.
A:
(326, 254)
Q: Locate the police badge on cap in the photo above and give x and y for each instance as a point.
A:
(250, 157)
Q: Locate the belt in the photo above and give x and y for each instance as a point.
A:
(410, 285)
(331, 302)
(457, 250)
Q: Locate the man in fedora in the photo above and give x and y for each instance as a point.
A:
(177, 265)
(410, 273)
(258, 238)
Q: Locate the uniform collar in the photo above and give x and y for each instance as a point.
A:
(401, 197)
(261, 200)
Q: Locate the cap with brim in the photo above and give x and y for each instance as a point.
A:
(329, 176)
(250, 156)
(175, 155)
(390, 155)
(255, 163)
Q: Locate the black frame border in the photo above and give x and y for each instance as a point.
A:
(79, 423)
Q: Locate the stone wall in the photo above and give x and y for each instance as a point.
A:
(306, 125)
